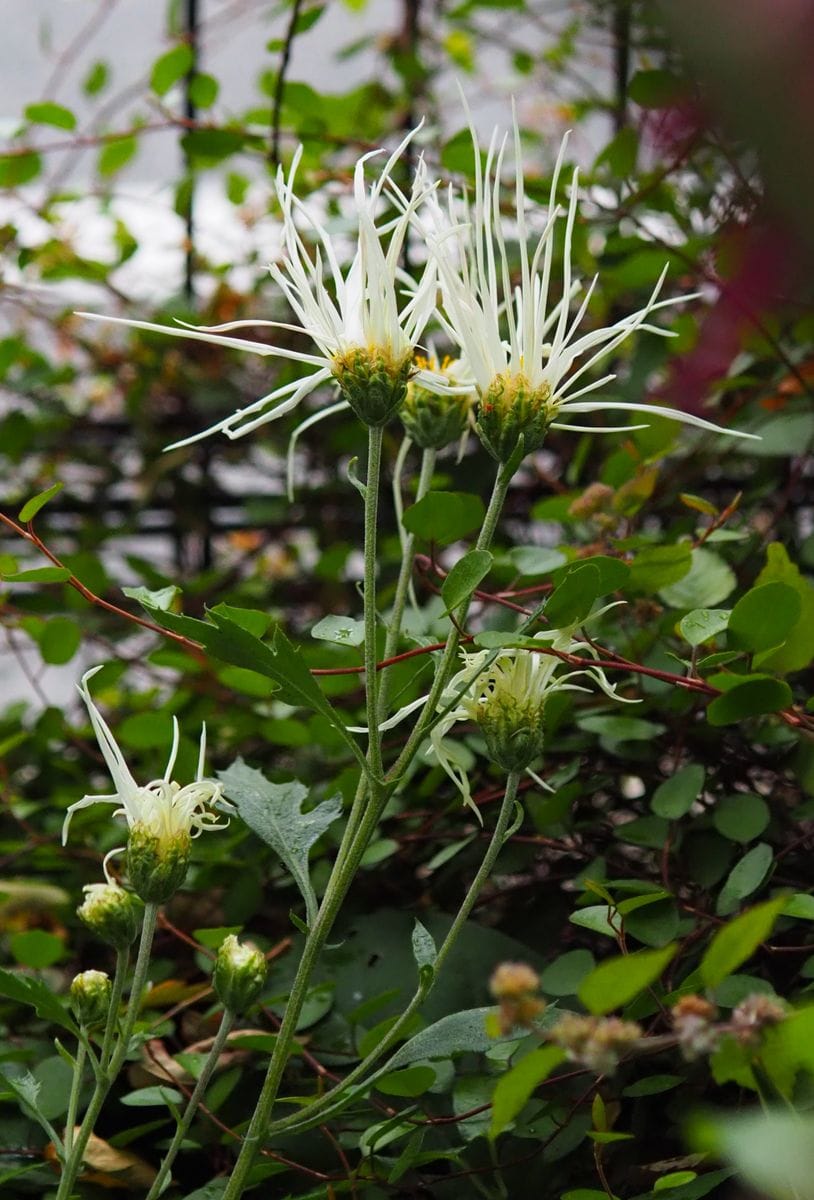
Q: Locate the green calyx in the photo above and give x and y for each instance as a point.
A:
(514, 416)
(514, 730)
(113, 914)
(373, 382)
(239, 975)
(157, 866)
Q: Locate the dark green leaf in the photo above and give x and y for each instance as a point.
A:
(617, 980)
(764, 617)
(755, 695)
(170, 67)
(444, 516)
(737, 941)
(675, 797)
(464, 577)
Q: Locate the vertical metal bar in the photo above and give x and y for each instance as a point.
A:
(191, 21)
(621, 61)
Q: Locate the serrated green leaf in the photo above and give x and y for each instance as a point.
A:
(274, 812)
(38, 995)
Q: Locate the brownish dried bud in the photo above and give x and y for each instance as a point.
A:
(514, 986)
(513, 980)
(754, 1014)
(694, 1006)
(595, 499)
(597, 1043)
(692, 1022)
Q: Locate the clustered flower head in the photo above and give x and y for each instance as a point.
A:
(364, 337)
(515, 986)
(598, 1043)
(162, 816)
(524, 351)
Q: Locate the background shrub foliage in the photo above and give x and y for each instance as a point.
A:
(672, 855)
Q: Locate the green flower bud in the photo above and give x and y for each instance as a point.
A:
(112, 913)
(239, 975)
(90, 997)
(157, 865)
(514, 414)
(433, 421)
(373, 382)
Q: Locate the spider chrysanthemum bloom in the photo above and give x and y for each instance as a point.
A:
(517, 332)
(364, 334)
(162, 816)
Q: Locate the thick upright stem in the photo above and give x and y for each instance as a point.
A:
(226, 1023)
(364, 814)
(374, 462)
(109, 1071)
(301, 1121)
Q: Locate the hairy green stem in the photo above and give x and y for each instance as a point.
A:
(226, 1023)
(447, 664)
(73, 1100)
(120, 974)
(403, 583)
(367, 805)
(110, 1070)
(298, 1122)
(374, 464)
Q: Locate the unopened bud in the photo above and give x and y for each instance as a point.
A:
(597, 1043)
(373, 381)
(157, 866)
(113, 914)
(239, 975)
(515, 985)
(434, 421)
(90, 997)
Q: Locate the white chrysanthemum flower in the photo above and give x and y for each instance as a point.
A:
(363, 334)
(505, 692)
(524, 349)
(162, 812)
